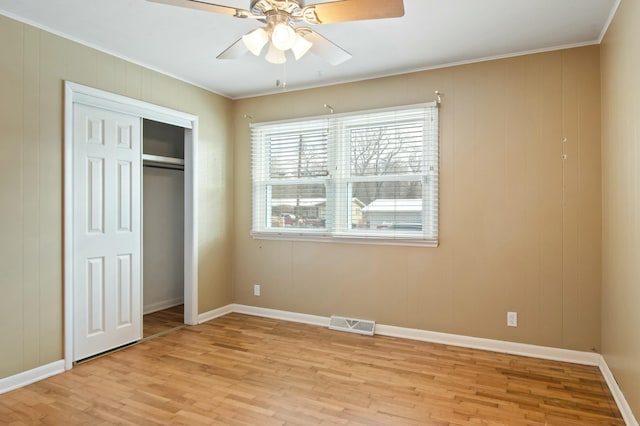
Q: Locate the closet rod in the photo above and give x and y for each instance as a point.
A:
(162, 166)
(161, 162)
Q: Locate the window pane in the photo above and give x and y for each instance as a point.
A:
(298, 155)
(394, 149)
(370, 175)
(387, 205)
(298, 206)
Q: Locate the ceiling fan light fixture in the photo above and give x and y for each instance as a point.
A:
(275, 55)
(255, 40)
(300, 46)
(283, 36)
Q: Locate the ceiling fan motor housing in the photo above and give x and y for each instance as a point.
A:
(263, 7)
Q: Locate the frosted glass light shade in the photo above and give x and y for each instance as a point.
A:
(275, 55)
(283, 36)
(256, 40)
(300, 47)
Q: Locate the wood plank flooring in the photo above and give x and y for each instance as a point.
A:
(161, 321)
(243, 370)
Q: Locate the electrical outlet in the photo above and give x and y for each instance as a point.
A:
(256, 289)
(512, 319)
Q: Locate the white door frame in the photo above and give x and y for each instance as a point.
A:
(76, 93)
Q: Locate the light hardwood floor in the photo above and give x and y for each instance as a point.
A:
(243, 370)
(162, 321)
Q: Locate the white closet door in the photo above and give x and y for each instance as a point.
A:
(107, 230)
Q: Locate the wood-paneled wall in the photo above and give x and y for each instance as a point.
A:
(621, 200)
(519, 227)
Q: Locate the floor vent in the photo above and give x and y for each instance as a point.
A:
(352, 325)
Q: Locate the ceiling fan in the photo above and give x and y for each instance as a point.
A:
(282, 33)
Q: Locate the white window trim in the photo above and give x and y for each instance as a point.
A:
(354, 236)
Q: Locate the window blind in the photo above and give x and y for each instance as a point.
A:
(367, 175)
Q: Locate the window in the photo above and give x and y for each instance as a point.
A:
(367, 176)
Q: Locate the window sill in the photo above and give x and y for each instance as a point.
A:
(347, 239)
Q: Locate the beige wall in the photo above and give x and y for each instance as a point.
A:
(33, 66)
(519, 228)
(621, 200)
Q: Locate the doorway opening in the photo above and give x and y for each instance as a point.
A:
(163, 230)
(187, 125)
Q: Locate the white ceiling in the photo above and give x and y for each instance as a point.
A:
(184, 43)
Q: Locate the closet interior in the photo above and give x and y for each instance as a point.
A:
(163, 227)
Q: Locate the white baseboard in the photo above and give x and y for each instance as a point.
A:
(160, 306)
(208, 316)
(30, 376)
(543, 352)
(512, 348)
(281, 315)
(623, 405)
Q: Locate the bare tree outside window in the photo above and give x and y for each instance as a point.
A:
(387, 151)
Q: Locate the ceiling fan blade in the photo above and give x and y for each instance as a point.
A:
(353, 10)
(201, 5)
(234, 51)
(326, 49)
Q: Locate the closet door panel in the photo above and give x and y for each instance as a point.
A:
(107, 230)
